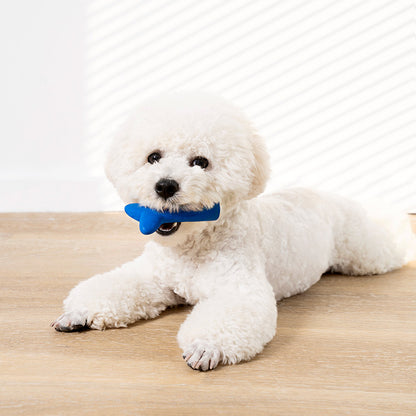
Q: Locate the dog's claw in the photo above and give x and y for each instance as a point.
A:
(71, 322)
(202, 356)
(74, 328)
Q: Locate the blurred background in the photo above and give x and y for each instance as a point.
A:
(329, 84)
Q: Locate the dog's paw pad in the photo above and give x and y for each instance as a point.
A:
(71, 322)
(202, 356)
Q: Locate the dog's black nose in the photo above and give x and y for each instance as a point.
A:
(166, 188)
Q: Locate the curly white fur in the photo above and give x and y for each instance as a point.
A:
(260, 250)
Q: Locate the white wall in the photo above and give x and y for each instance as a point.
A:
(331, 85)
(42, 102)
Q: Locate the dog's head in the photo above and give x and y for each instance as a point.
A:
(187, 151)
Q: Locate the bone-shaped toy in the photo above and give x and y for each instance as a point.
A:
(150, 220)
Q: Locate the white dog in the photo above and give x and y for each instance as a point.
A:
(188, 152)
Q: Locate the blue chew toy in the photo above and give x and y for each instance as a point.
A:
(150, 219)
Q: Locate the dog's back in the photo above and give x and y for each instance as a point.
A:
(306, 233)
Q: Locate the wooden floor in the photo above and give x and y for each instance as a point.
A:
(347, 346)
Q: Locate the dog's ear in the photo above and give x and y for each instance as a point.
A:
(261, 166)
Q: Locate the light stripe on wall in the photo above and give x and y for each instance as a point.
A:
(330, 85)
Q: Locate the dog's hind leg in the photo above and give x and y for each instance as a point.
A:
(366, 247)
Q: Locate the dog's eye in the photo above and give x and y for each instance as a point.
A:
(154, 157)
(202, 162)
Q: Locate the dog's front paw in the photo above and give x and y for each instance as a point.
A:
(71, 322)
(202, 356)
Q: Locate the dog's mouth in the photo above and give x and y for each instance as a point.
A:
(168, 228)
